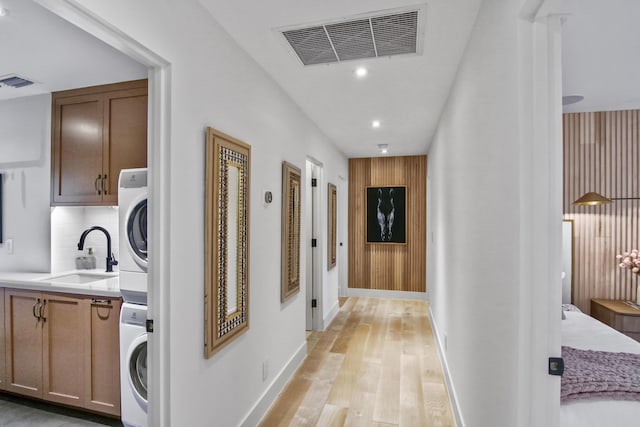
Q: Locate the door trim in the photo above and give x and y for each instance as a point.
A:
(158, 155)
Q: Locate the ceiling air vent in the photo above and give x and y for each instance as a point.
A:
(15, 81)
(368, 37)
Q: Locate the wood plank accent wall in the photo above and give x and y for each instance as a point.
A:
(602, 154)
(385, 266)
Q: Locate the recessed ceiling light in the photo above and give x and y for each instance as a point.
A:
(361, 72)
(4, 11)
(375, 124)
(384, 148)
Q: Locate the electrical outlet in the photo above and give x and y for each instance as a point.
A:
(265, 370)
(9, 245)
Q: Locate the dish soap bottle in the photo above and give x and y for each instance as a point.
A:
(90, 260)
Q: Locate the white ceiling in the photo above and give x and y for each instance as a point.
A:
(42, 47)
(405, 92)
(601, 42)
(601, 54)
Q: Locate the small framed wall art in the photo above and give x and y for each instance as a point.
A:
(332, 197)
(290, 246)
(227, 195)
(386, 215)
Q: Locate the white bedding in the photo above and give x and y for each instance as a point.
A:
(584, 332)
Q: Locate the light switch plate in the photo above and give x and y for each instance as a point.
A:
(267, 197)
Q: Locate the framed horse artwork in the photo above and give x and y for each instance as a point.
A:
(386, 215)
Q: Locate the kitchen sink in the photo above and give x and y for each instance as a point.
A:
(78, 278)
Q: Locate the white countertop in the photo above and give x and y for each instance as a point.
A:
(105, 284)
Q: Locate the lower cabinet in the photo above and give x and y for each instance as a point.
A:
(23, 342)
(63, 348)
(63, 325)
(102, 384)
(3, 375)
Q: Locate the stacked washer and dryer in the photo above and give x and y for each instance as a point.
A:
(132, 203)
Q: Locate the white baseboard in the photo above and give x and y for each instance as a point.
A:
(330, 316)
(376, 293)
(260, 408)
(447, 376)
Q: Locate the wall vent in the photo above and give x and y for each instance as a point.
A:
(365, 37)
(15, 81)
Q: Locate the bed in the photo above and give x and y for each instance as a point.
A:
(583, 332)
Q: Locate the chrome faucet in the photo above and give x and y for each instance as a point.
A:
(111, 260)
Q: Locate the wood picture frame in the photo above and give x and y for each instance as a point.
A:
(290, 242)
(386, 210)
(332, 198)
(227, 196)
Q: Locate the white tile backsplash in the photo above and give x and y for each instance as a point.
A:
(68, 223)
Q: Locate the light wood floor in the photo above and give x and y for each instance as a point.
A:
(376, 365)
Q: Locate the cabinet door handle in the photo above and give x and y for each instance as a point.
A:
(40, 311)
(104, 190)
(33, 309)
(95, 184)
(106, 302)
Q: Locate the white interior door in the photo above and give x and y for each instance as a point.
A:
(314, 264)
(309, 258)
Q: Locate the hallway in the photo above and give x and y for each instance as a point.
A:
(376, 365)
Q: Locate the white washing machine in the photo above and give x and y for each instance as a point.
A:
(132, 202)
(133, 365)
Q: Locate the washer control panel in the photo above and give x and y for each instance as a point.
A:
(134, 315)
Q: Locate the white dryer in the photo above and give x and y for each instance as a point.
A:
(132, 202)
(133, 365)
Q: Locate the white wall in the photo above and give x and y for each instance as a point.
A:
(214, 83)
(25, 161)
(480, 239)
(44, 239)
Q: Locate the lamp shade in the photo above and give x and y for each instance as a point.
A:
(591, 199)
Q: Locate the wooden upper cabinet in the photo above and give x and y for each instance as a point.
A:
(96, 132)
(126, 133)
(77, 149)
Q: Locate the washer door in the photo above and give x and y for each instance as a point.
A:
(137, 369)
(137, 231)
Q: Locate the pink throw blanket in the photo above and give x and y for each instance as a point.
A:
(590, 374)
